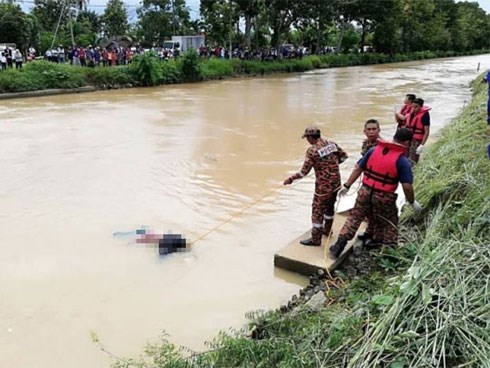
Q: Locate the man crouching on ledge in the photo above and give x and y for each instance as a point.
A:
(384, 166)
(324, 157)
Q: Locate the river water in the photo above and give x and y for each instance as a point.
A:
(78, 168)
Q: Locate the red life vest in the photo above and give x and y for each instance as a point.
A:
(381, 172)
(406, 109)
(415, 123)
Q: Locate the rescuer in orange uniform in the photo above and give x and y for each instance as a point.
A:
(324, 157)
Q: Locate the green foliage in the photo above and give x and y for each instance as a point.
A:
(115, 18)
(41, 75)
(190, 66)
(48, 12)
(217, 68)
(171, 72)
(106, 77)
(146, 69)
(159, 19)
(15, 27)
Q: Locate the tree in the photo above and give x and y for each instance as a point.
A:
(92, 19)
(220, 18)
(387, 30)
(115, 18)
(33, 31)
(159, 19)
(48, 13)
(312, 19)
(13, 25)
(249, 9)
(280, 14)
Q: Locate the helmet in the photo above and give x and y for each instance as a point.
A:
(311, 130)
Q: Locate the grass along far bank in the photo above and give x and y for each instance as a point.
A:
(147, 70)
(425, 304)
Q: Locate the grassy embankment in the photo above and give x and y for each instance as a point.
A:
(148, 70)
(426, 304)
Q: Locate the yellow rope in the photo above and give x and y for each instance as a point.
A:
(236, 214)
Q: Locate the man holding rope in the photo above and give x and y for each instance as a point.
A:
(384, 166)
(324, 157)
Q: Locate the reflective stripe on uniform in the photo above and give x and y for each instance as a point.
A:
(326, 217)
(318, 226)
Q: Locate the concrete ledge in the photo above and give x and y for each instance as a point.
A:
(46, 92)
(308, 260)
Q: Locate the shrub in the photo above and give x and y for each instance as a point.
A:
(109, 76)
(146, 69)
(170, 72)
(216, 68)
(190, 66)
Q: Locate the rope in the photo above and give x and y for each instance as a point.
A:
(236, 214)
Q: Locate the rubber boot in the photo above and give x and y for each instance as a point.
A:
(339, 246)
(364, 236)
(327, 227)
(315, 240)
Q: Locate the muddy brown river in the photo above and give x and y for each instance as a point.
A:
(78, 168)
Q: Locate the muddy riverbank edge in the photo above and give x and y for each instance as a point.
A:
(42, 78)
(424, 303)
(47, 92)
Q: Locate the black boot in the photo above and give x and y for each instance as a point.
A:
(364, 236)
(316, 238)
(327, 227)
(309, 242)
(371, 244)
(337, 249)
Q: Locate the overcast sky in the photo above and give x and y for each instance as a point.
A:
(98, 6)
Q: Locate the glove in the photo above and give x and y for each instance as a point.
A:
(416, 207)
(419, 149)
(343, 191)
(288, 181)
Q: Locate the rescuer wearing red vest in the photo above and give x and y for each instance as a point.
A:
(418, 121)
(324, 157)
(371, 130)
(405, 110)
(384, 166)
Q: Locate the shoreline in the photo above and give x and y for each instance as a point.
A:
(47, 92)
(34, 76)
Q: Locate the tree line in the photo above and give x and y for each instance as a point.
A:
(388, 26)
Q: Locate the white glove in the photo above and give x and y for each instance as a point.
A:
(416, 207)
(420, 149)
(343, 191)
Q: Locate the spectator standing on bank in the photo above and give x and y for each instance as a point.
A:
(3, 61)
(18, 59)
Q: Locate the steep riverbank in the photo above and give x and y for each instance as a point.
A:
(423, 304)
(147, 70)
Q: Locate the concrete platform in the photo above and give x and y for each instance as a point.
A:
(308, 260)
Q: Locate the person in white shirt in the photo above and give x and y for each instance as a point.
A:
(3, 61)
(18, 59)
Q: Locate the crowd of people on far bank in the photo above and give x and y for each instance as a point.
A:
(9, 57)
(93, 56)
(384, 164)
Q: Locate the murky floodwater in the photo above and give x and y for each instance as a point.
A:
(77, 168)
